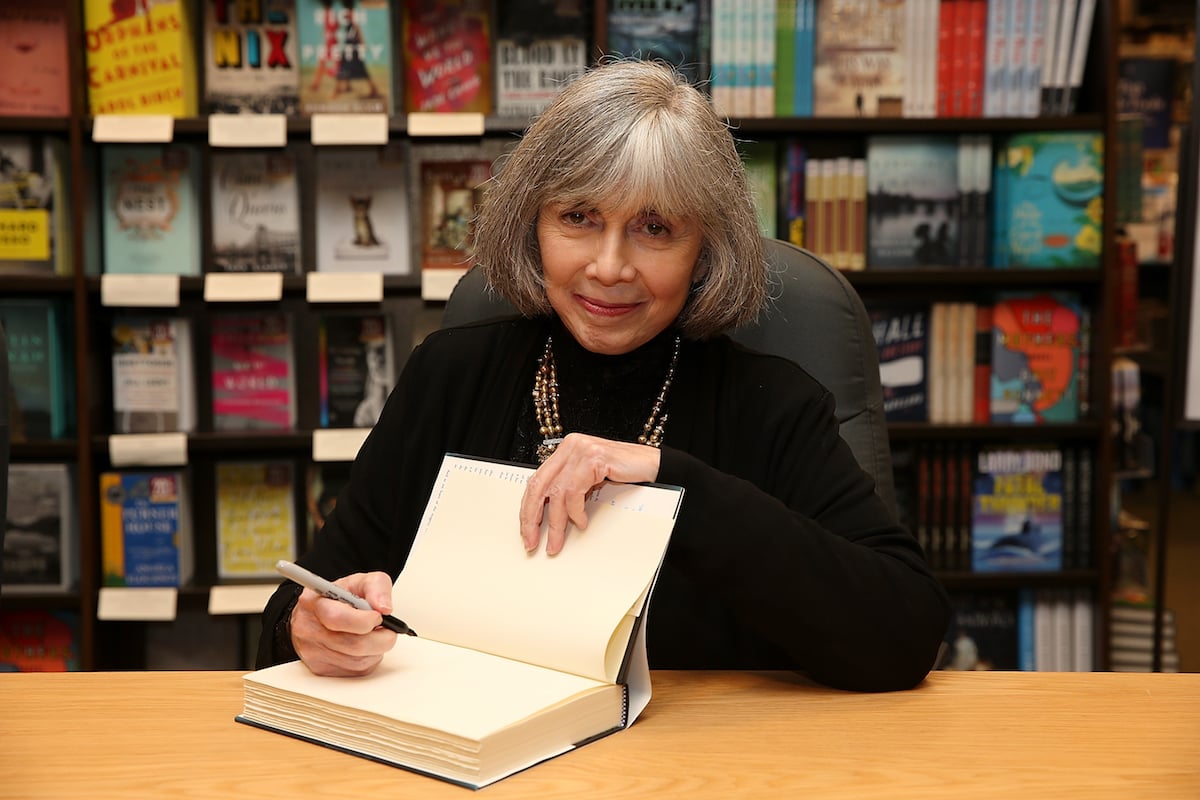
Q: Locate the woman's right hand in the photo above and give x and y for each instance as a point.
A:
(333, 638)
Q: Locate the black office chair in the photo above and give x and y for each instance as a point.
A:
(815, 318)
(4, 433)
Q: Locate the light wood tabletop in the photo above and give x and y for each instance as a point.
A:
(1008, 735)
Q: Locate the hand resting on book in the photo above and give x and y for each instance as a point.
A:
(333, 638)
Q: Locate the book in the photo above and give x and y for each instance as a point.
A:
(762, 175)
(658, 30)
(40, 537)
(362, 210)
(152, 375)
(357, 369)
(1146, 87)
(34, 215)
(912, 201)
(41, 370)
(34, 68)
(984, 632)
(1016, 519)
(491, 686)
(346, 56)
(323, 483)
(151, 213)
(256, 517)
(251, 64)
(858, 59)
(255, 212)
(1035, 364)
(39, 640)
(447, 50)
(253, 372)
(145, 529)
(140, 57)
(540, 45)
(450, 192)
(902, 342)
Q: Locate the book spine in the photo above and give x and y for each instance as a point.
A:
(764, 58)
(1018, 31)
(1079, 47)
(1031, 92)
(997, 58)
(858, 214)
(787, 20)
(983, 364)
(947, 11)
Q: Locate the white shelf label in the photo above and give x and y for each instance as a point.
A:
(240, 599)
(137, 604)
(143, 291)
(430, 123)
(437, 284)
(349, 129)
(247, 130)
(147, 449)
(243, 287)
(345, 287)
(133, 128)
(337, 444)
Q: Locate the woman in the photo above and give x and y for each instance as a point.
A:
(622, 228)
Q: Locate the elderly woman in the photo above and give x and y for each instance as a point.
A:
(622, 228)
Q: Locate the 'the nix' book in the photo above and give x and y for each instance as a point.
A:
(250, 58)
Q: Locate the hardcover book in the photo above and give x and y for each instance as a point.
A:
(362, 210)
(145, 529)
(40, 536)
(255, 212)
(1146, 87)
(450, 192)
(151, 218)
(345, 56)
(489, 688)
(34, 69)
(37, 640)
(140, 57)
(357, 369)
(659, 30)
(256, 517)
(447, 56)
(540, 45)
(858, 63)
(153, 387)
(251, 64)
(902, 341)
(1016, 519)
(912, 201)
(41, 375)
(253, 372)
(323, 483)
(34, 217)
(984, 632)
(1036, 351)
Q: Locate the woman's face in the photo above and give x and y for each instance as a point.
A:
(616, 276)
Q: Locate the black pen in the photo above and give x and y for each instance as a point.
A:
(331, 590)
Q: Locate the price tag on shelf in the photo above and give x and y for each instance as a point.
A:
(437, 284)
(240, 599)
(148, 449)
(345, 287)
(247, 130)
(349, 129)
(137, 604)
(337, 444)
(133, 128)
(429, 123)
(142, 291)
(243, 287)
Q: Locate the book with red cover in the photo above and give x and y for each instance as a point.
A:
(34, 70)
(447, 56)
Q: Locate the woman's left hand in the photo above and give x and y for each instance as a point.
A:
(558, 489)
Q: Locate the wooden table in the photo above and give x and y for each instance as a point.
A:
(1011, 735)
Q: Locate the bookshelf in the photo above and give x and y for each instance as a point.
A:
(106, 645)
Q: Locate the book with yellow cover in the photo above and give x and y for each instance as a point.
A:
(256, 517)
(500, 678)
(140, 57)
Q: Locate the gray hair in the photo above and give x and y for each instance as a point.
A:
(637, 131)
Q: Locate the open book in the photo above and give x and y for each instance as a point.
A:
(521, 656)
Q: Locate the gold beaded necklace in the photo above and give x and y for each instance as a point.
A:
(545, 404)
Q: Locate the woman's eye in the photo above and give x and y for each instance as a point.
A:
(656, 229)
(575, 217)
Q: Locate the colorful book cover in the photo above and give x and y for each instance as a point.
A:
(145, 529)
(1036, 349)
(1050, 209)
(540, 45)
(140, 57)
(256, 517)
(912, 201)
(362, 210)
(34, 68)
(984, 632)
(664, 30)
(447, 56)
(345, 56)
(39, 530)
(255, 212)
(858, 61)
(793, 193)
(1016, 518)
(253, 372)
(38, 640)
(151, 216)
(251, 64)
(1146, 87)
(34, 222)
(357, 370)
(450, 192)
(902, 341)
(41, 370)
(153, 387)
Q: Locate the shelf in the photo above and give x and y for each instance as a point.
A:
(35, 124)
(1082, 578)
(14, 284)
(974, 277)
(293, 285)
(236, 444)
(44, 450)
(924, 431)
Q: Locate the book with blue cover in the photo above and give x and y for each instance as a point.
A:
(151, 214)
(145, 529)
(1017, 509)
